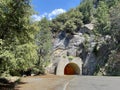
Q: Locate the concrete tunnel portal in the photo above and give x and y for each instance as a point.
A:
(66, 67)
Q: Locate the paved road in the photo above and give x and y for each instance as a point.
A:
(94, 83)
(47, 82)
(52, 82)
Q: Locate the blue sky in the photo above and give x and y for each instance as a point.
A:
(51, 8)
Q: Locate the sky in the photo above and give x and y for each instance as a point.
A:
(52, 8)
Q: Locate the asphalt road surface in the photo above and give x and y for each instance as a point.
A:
(52, 82)
(94, 83)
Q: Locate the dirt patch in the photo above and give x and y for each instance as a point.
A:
(45, 82)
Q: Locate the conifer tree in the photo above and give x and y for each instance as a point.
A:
(18, 49)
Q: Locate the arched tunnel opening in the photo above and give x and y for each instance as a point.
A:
(71, 69)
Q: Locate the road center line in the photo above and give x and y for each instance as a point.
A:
(65, 86)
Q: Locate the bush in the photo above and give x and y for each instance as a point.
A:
(70, 58)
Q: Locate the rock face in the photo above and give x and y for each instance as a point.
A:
(77, 49)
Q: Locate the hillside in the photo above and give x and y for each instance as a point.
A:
(89, 32)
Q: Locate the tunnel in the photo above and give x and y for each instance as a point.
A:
(71, 69)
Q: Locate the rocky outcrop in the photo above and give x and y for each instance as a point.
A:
(82, 45)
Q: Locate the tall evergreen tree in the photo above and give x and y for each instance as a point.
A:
(18, 49)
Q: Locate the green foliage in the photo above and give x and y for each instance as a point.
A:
(70, 26)
(44, 42)
(62, 18)
(70, 58)
(115, 22)
(103, 18)
(86, 8)
(113, 67)
(56, 26)
(74, 22)
(112, 3)
(18, 49)
(58, 23)
(69, 22)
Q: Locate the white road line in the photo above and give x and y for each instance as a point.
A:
(65, 86)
